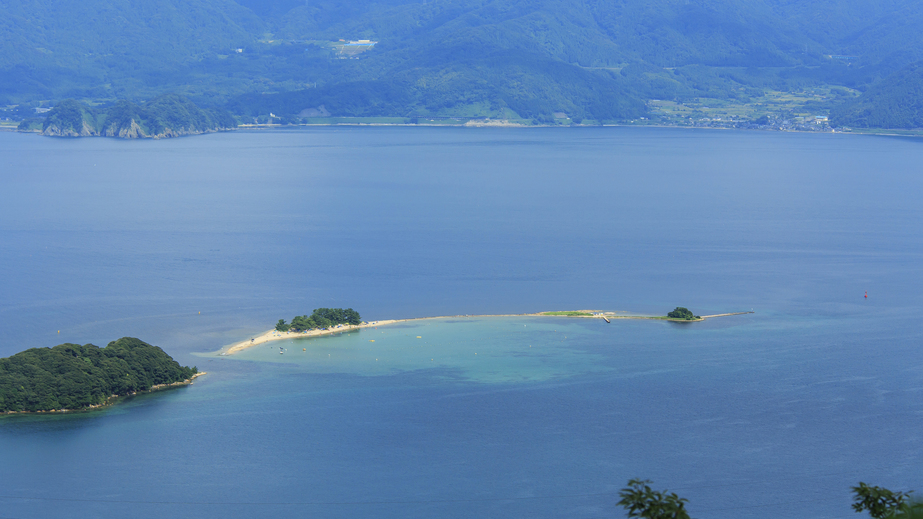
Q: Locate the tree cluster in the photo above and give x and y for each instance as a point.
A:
(71, 376)
(321, 318)
(681, 313)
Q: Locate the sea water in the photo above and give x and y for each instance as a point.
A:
(195, 243)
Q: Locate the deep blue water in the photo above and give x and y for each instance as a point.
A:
(194, 243)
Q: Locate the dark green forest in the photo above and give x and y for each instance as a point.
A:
(529, 60)
(71, 376)
(321, 318)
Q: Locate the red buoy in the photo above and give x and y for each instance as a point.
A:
(866, 294)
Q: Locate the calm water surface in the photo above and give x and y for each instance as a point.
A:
(194, 243)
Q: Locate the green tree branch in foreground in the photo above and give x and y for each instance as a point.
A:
(880, 502)
(641, 501)
(909, 511)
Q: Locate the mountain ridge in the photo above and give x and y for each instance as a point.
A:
(595, 60)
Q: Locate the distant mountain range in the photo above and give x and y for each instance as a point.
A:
(590, 60)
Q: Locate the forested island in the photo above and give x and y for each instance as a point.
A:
(71, 377)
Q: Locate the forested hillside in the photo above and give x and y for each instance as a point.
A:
(529, 59)
(103, 49)
(895, 102)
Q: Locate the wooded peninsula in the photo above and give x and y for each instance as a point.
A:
(71, 377)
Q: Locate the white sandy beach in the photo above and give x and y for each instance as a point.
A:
(275, 335)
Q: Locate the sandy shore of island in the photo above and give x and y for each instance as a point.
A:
(275, 335)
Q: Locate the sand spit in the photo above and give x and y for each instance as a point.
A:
(275, 335)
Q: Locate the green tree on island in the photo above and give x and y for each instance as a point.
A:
(681, 313)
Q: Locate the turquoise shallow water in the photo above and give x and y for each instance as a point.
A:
(485, 350)
(193, 244)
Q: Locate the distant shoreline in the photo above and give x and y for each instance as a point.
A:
(886, 132)
(275, 335)
(881, 132)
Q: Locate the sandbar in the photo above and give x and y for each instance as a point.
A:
(275, 335)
